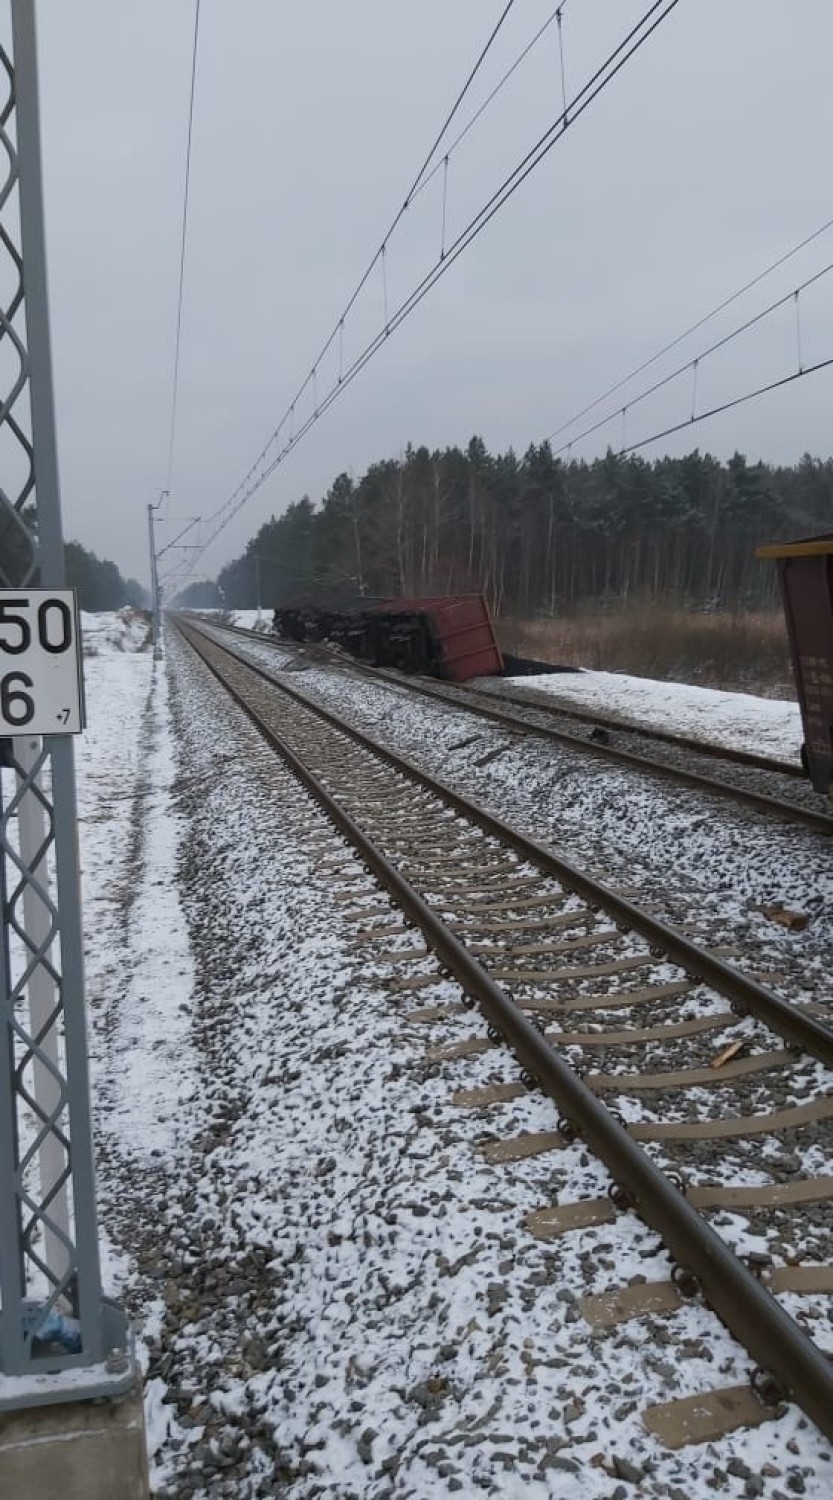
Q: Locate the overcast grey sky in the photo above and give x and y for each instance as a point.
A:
(708, 156)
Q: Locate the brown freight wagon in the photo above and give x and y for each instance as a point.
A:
(805, 570)
(460, 634)
(447, 636)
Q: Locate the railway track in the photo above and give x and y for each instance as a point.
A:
(530, 697)
(691, 1081)
(771, 788)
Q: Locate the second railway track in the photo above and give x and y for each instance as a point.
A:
(709, 1080)
(770, 788)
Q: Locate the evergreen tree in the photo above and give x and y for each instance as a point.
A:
(538, 535)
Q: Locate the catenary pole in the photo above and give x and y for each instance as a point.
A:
(43, 996)
(154, 584)
(54, 1322)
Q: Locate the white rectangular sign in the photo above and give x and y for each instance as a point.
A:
(41, 685)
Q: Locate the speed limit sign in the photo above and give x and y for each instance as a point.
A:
(41, 686)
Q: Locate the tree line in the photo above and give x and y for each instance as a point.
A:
(98, 582)
(536, 534)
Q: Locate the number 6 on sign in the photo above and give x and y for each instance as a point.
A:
(41, 685)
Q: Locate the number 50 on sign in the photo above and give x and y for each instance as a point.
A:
(41, 686)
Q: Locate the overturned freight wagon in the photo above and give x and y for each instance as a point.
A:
(448, 637)
(805, 570)
(453, 638)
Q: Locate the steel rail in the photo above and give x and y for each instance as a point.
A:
(739, 1299)
(743, 993)
(550, 704)
(790, 812)
(762, 801)
(623, 726)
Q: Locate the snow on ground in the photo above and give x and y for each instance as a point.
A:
(766, 726)
(287, 1188)
(127, 630)
(252, 619)
(135, 930)
(137, 955)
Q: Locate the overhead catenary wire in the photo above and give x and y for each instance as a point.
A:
(603, 75)
(424, 177)
(693, 328)
(714, 411)
(559, 17)
(337, 333)
(695, 362)
(380, 253)
(590, 90)
(183, 243)
(501, 83)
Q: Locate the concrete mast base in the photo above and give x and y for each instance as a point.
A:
(79, 1450)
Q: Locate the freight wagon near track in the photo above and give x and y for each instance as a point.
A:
(711, 1082)
(771, 788)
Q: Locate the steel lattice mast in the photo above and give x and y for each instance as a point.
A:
(49, 1257)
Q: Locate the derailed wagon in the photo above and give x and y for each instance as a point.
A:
(805, 570)
(450, 637)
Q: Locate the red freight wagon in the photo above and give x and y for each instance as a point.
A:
(805, 570)
(450, 637)
(461, 631)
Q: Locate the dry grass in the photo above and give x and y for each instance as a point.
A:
(746, 652)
